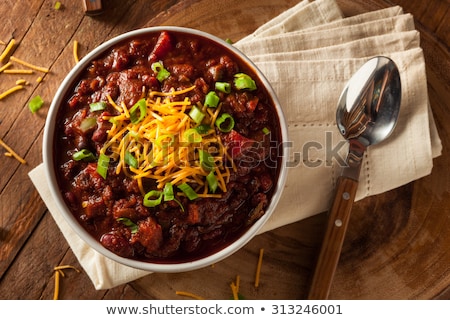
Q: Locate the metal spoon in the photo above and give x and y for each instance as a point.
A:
(366, 114)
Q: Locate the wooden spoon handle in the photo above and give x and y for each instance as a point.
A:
(330, 251)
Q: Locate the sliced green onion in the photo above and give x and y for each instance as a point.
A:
(192, 136)
(212, 182)
(102, 165)
(168, 192)
(223, 87)
(161, 141)
(130, 224)
(57, 5)
(161, 73)
(130, 160)
(196, 114)
(153, 198)
(97, 106)
(203, 128)
(266, 130)
(35, 104)
(83, 154)
(88, 123)
(134, 134)
(212, 99)
(243, 81)
(188, 191)
(136, 116)
(113, 120)
(206, 160)
(225, 122)
(168, 195)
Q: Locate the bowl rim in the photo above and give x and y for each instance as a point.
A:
(47, 153)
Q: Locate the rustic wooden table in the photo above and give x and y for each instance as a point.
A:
(398, 243)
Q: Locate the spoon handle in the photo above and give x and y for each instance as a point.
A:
(330, 251)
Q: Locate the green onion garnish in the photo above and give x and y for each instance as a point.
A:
(88, 123)
(212, 181)
(192, 136)
(113, 120)
(83, 154)
(202, 129)
(35, 104)
(188, 191)
(196, 114)
(225, 122)
(102, 165)
(243, 81)
(168, 192)
(130, 224)
(161, 73)
(130, 160)
(97, 106)
(206, 160)
(153, 198)
(212, 100)
(142, 106)
(223, 87)
(266, 130)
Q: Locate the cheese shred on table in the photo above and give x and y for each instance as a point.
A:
(7, 50)
(165, 144)
(258, 267)
(18, 71)
(29, 65)
(59, 273)
(75, 51)
(6, 66)
(189, 294)
(10, 90)
(235, 287)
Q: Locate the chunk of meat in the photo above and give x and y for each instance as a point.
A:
(149, 235)
(162, 47)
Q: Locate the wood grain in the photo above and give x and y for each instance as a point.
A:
(397, 244)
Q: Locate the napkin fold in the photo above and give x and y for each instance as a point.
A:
(308, 53)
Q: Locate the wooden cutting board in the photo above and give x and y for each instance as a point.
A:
(391, 247)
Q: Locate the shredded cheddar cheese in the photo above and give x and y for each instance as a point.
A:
(18, 71)
(59, 273)
(161, 146)
(235, 287)
(29, 65)
(258, 267)
(189, 294)
(10, 91)
(6, 66)
(21, 82)
(75, 51)
(7, 50)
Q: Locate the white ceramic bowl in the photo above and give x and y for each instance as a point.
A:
(48, 142)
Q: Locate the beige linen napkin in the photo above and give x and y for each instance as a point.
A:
(308, 79)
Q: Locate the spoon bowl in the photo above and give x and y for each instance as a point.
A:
(367, 113)
(369, 105)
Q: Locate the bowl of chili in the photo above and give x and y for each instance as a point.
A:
(163, 149)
